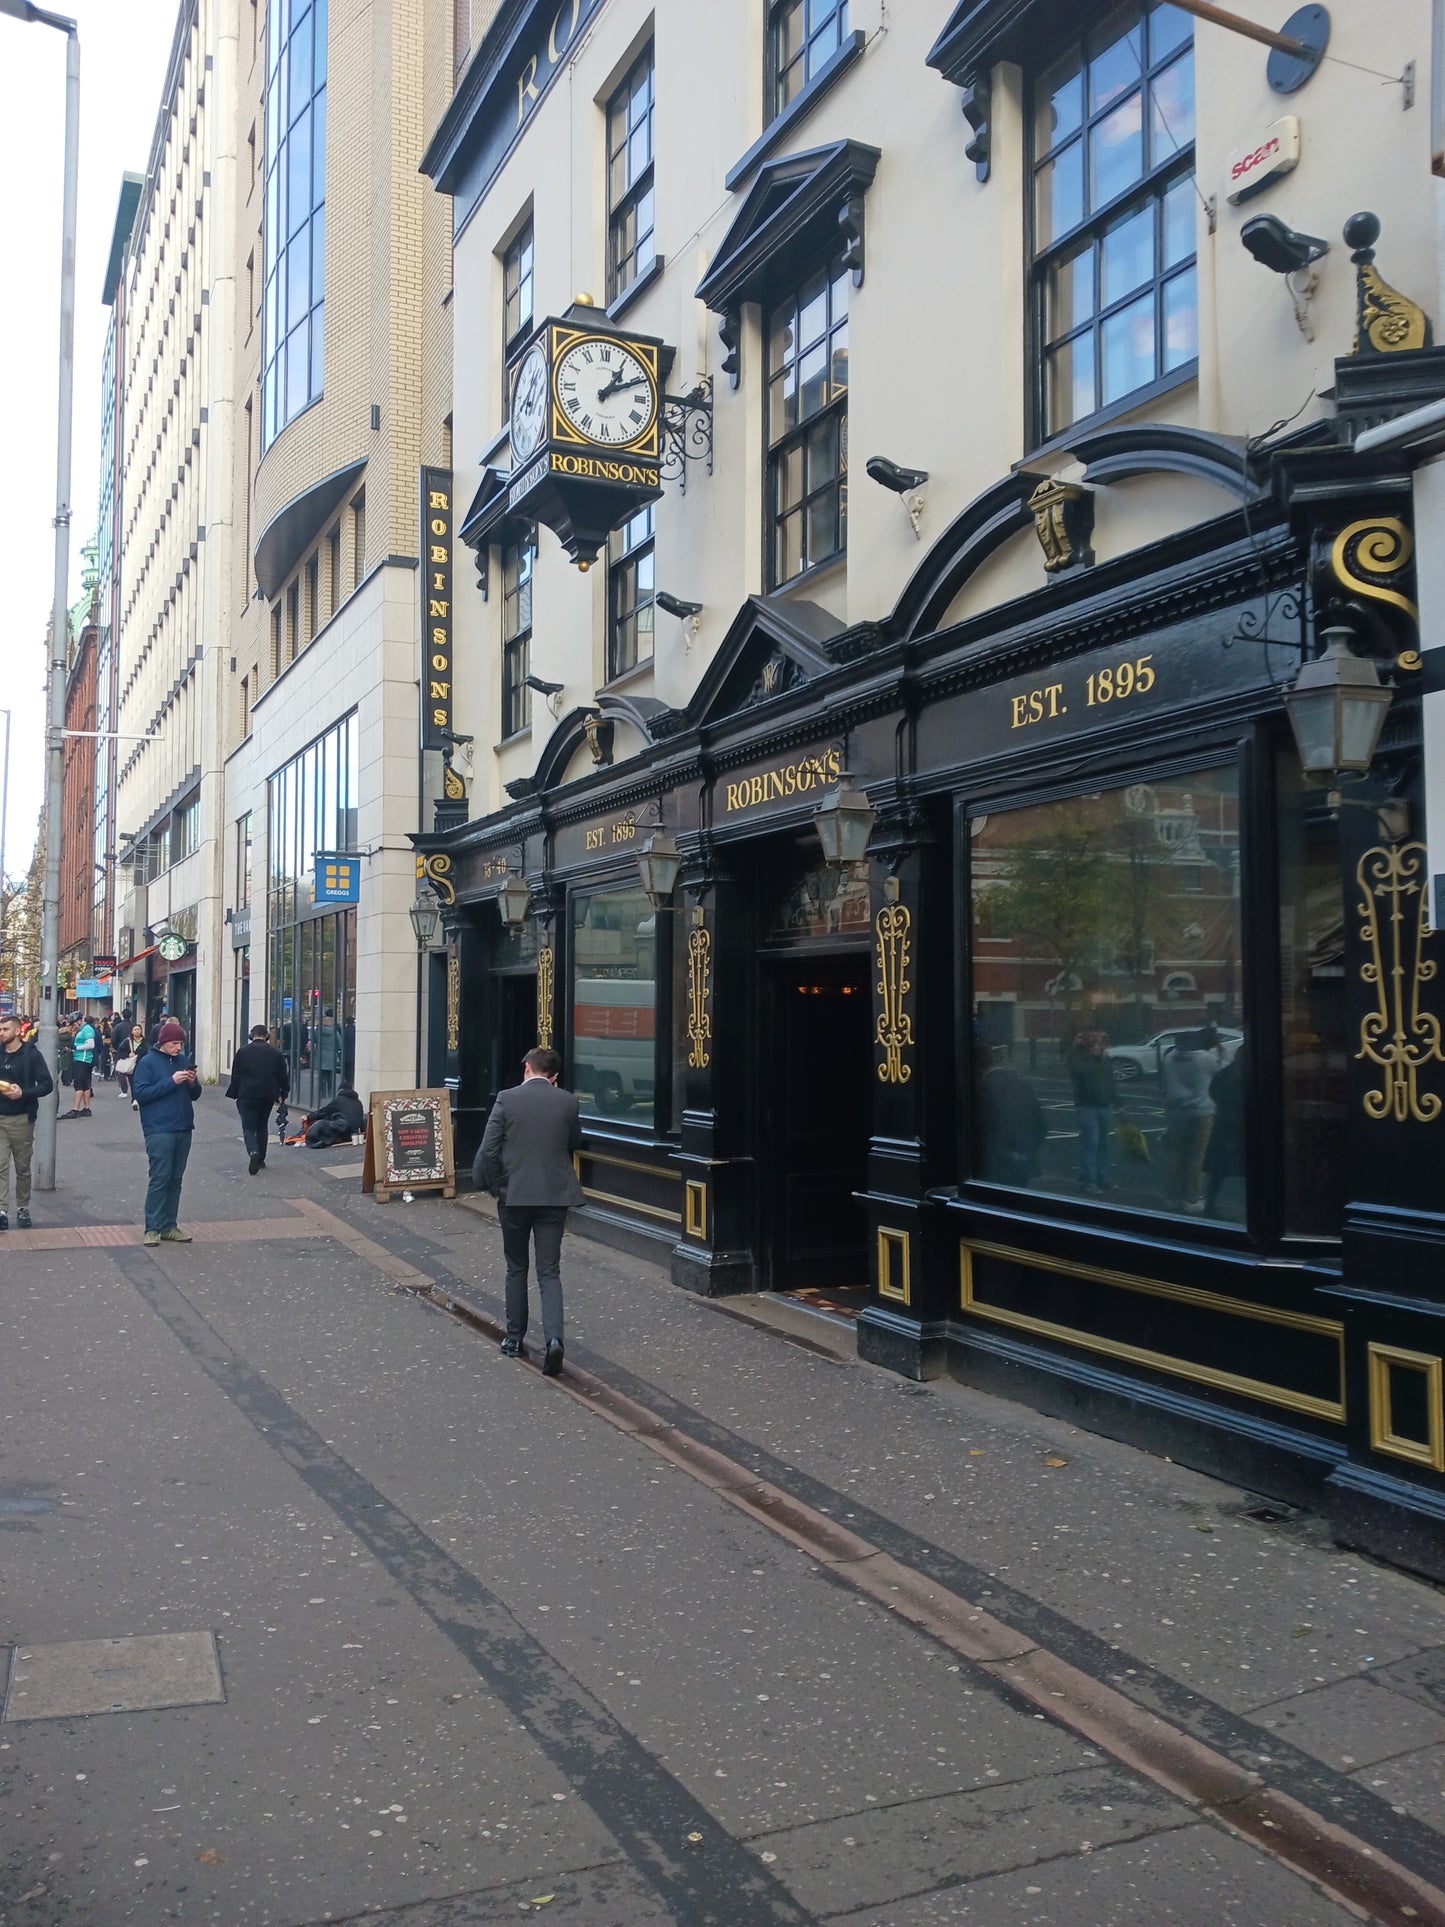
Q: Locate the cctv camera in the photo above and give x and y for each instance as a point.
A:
(544, 688)
(1281, 248)
(900, 480)
(675, 606)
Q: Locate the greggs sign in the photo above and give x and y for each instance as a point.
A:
(436, 606)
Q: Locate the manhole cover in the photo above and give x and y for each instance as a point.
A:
(113, 1676)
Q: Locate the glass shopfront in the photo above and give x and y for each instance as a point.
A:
(614, 1003)
(311, 978)
(1109, 1036)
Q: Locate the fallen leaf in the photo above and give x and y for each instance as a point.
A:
(210, 1858)
(975, 1452)
(35, 1893)
(543, 1900)
(1056, 1461)
(1199, 1526)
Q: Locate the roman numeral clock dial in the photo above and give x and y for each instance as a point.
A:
(605, 393)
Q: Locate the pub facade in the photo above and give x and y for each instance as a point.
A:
(992, 901)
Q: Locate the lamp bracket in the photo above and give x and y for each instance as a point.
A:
(686, 432)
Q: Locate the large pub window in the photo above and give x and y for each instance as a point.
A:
(630, 199)
(518, 262)
(614, 1003)
(1115, 300)
(1110, 1042)
(807, 346)
(802, 36)
(630, 578)
(518, 561)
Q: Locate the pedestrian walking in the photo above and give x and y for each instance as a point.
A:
(24, 1080)
(82, 1067)
(128, 1056)
(260, 1080)
(1187, 1071)
(525, 1160)
(1096, 1100)
(166, 1087)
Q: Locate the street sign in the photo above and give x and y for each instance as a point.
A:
(338, 878)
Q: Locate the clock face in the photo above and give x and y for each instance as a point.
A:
(605, 392)
(529, 404)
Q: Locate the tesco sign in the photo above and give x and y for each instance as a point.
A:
(1252, 168)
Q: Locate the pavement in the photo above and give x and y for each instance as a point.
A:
(317, 1609)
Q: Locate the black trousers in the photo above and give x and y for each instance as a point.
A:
(255, 1117)
(522, 1225)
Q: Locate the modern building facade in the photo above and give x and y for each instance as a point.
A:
(176, 432)
(898, 823)
(343, 392)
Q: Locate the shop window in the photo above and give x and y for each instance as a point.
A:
(518, 561)
(1316, 1043)
(1114, 291)
(186, 829)
(630, 581)
(518, 262)
(614, 1003)
(802, 36)
(1109, 1043)
(807, 337)
(630, 201)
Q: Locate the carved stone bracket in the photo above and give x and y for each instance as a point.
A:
(437, 868)
(1063, 515)
(1397, 1036)
(850, 227)
(977, 110)
(730, 330)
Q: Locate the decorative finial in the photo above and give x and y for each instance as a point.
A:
(1388, 323)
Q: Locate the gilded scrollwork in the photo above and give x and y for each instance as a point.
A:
(1397, 1036)
(699, 997)
(454, 1002)
(546, 981)
(1366, 555)
(894, 1030)
(437, 870)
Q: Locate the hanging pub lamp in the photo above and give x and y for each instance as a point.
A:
(514, 900)
(844, 823)
(425, 915)
(1337, 709)
(659, 864)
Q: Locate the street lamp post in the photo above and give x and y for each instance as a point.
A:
(4, 814)
(54, 741)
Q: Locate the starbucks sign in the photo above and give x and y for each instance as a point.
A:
(172, 948)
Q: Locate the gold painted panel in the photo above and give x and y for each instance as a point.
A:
(1383, 1360)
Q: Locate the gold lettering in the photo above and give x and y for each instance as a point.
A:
(775, 783)
(439, 719)
(440, 692)
(1053, 692)
(734, 799)
(439, 638)
(440, 663)
(438, 554)
(441, 609)
(555, 47)
(1017, 707)
(594, 839)
(436, 500)
(439, 581)
(438, 526)
(835, 762)
(526, 88)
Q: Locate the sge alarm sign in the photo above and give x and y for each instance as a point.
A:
(1254, 168)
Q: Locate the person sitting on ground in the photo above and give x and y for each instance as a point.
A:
(335, 1123)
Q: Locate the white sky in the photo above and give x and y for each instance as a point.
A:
(123, 49)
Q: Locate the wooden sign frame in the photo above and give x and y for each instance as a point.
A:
(381, 1173)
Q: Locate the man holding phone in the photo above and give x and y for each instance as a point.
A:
(165, 1088)
(24, 1080)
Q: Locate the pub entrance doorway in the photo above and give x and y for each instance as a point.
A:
(815, 1094)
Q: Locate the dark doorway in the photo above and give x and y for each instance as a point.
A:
(816, 1099)
(515, 1031)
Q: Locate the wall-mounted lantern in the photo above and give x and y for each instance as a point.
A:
(425, 916)
(1337, 709)
(844, 823)
(659, 864)
(514, 900)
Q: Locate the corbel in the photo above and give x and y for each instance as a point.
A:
(977, 111)
(730, 329)
(850, 224)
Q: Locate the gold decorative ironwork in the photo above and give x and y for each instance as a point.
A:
(1063, 515)
(437, 870)
(1366, 551)
(1397, 1035)
(1385, 1360)
(546, 978)
(894, 1031)
(1390, 322)
(453, 788)
(454, 1002)
(699, 996)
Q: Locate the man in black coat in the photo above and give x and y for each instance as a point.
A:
(24, 1080)
(260, 1080)
(526, 1161)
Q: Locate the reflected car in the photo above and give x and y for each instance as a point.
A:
(1132, 1061)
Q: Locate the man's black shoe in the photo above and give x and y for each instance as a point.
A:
(22, 1219)
(256, 1162)
(552, 1362)
(512, 1348)
(4, 1222)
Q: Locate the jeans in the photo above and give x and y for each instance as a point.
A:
(521, 1223)
(17, 1140)
(255, 1113)
(167, 1152)
(1095, 1123)
(1186, 1139)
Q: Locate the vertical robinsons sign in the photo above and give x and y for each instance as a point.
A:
(436, 607)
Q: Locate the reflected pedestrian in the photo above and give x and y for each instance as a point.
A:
(260, 1080)
(1013, 1125)
(24, 1080)
(1187, 1071)
(166, 1088)
(1096, 1099)
(1224, 1155)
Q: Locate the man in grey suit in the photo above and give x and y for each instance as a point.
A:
(526, 1162)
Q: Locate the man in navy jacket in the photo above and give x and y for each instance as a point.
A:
(165, 1086)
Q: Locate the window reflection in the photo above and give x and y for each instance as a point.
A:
(614, 1000)
(1109, 1045)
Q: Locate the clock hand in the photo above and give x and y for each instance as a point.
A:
(619, 382)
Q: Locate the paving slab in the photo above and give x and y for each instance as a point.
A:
(1413, 1783)
(1354, 1723)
